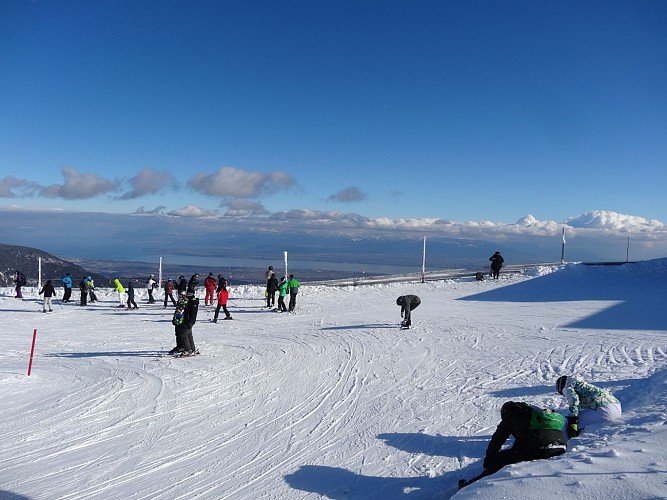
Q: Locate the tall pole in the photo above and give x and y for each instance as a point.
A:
(424, 262)
(39, 271)
(286, 265)
(562, 253)
(159, 276)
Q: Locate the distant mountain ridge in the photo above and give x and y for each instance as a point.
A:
(26, 259)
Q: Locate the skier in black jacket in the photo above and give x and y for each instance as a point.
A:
(407, 303)
(529, 443)
(192, 284)
(184, 319)
(49, 291)
(182, 285)
(496, 263)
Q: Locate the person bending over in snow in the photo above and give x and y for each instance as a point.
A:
(537, 434)
(408, 303)
(587, 403)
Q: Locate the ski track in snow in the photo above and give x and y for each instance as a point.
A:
(337, 386)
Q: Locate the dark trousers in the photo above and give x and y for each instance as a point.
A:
(151, 300)
(169, 295)
(506, 457)
(131, 302)
(67, 295)
(84, 298)
(281, 303)
(292, 301)
(270, 299)
(217, 311)
(184, 338)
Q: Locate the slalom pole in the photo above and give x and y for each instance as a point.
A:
(32, 351)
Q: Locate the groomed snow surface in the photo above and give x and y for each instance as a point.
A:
(336, 401)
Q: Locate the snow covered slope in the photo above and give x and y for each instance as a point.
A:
(335, 401)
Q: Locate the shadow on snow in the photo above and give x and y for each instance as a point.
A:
(640, 296)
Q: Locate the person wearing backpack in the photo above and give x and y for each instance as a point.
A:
(537, 434)
(20, 282)
(496, 264)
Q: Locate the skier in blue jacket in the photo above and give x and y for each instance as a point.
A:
(67, 283)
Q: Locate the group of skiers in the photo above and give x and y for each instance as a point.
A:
(287, 285)
(541, 433)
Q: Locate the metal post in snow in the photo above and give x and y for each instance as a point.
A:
(39, 272)
(424, 262)
(32, 351)
(286, 275)
(159, 276)
(562, 252)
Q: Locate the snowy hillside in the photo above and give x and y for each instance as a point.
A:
(336, 401)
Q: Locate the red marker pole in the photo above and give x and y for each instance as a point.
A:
(32, 351)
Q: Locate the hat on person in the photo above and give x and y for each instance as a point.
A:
(560, 384)
(190, 293)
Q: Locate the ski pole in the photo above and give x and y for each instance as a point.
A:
(32, 351)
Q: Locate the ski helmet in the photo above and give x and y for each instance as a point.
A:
(560, 384)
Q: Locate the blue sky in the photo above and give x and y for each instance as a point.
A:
(438, 110)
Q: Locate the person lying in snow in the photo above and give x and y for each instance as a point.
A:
(537, 434)
(587, 403)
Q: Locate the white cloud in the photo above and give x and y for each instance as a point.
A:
(149, 181)
(193, 211)
(240, 183)
(78, 186)
(612, 221)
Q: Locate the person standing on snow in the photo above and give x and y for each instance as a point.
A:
(91, 289)
(83, 288)
(537, 434)
(182, 286)
(192, 284)
(223, 296)
(496, 263)
(209, 286)
(408, 303)
(183, 320)
(150, 286)
(169, 292)
(282, 291)
(588, 404)
(293, 287)
(130, 296)
(271, 289)
(120, 290)
(49, 291)
(67, 284)
(20, 280)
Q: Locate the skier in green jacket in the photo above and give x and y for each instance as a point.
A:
(293, 287)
